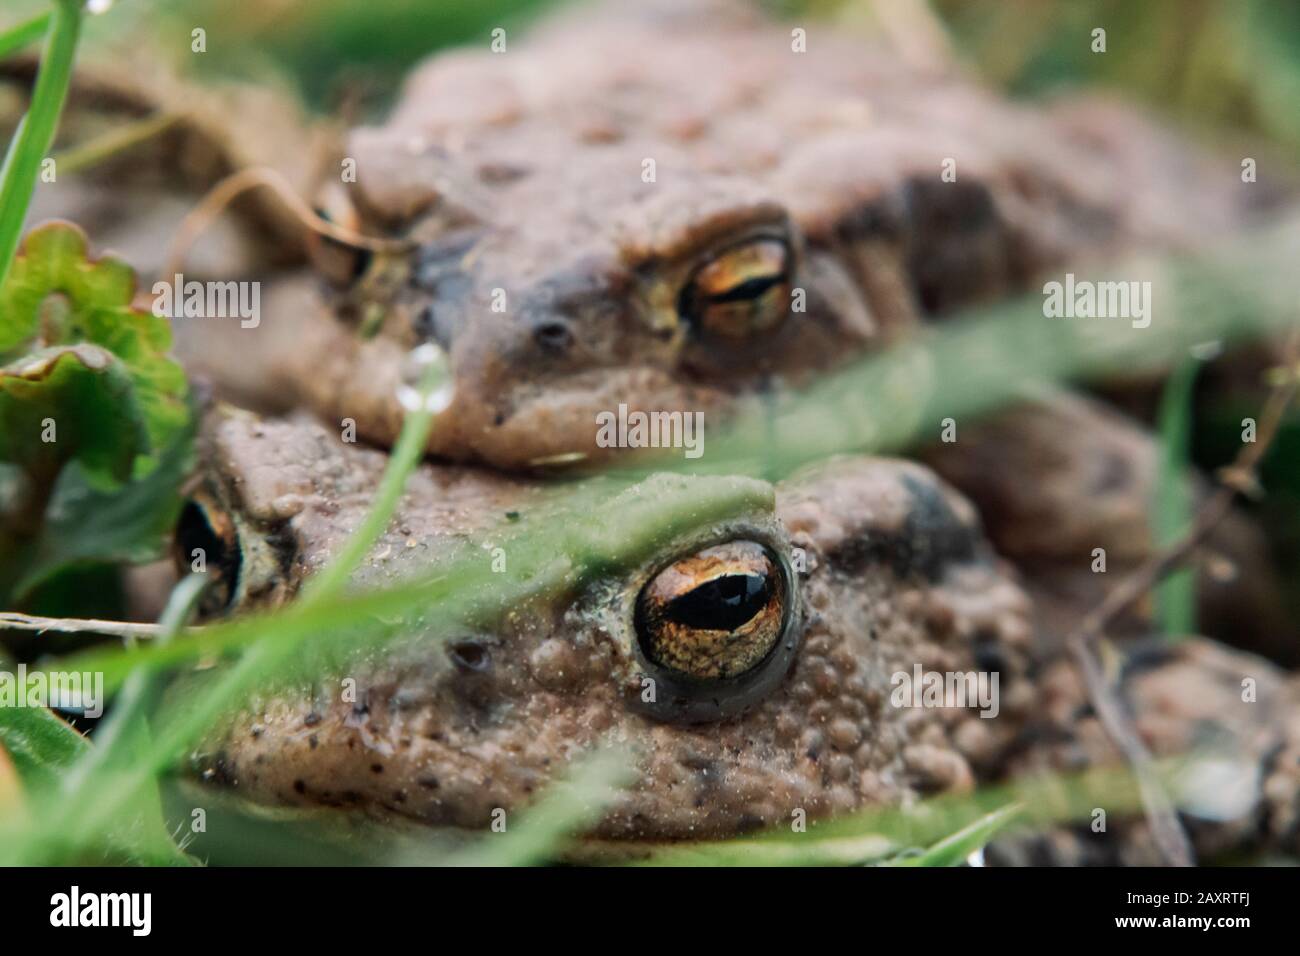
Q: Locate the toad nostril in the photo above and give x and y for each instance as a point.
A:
(553, 335)
(425, 323)
(469, 656)
(429, 326)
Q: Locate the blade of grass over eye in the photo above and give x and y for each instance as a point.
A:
(1172, 509)
(23, 35)
(274, 642)
(620, 526)
(972, 364)
(35, 134)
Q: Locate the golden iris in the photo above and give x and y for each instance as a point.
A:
(742, 291)
(713, 615)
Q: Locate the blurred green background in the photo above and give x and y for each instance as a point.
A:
(1232, 66)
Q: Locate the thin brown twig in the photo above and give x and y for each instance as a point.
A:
(12, 620)
(1239, 478)
(254, 177)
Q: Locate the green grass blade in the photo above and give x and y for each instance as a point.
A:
(620, 526)
(408, 451)
(23, 35)
(86, 155)
(956, 849)
(947, 823)
(1172, 509)
(565, 808)
(35, 133)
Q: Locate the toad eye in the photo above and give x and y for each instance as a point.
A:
(205, 538)
(715, 615)
(743, 290)
(246, 565)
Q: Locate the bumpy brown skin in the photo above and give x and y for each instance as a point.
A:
(1056, 479)
(522, 172)
(1185, 698)
(897, 574)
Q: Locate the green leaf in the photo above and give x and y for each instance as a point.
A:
(43, 749)
(39, 743)
(56, 296)
(86, 526)
(94, 417)
(139, 834)
(66, 403)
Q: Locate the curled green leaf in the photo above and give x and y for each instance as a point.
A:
(70, 402)
(56, 295)
(94, 416)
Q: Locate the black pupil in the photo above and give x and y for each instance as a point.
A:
(749, 289)
(723, 604)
